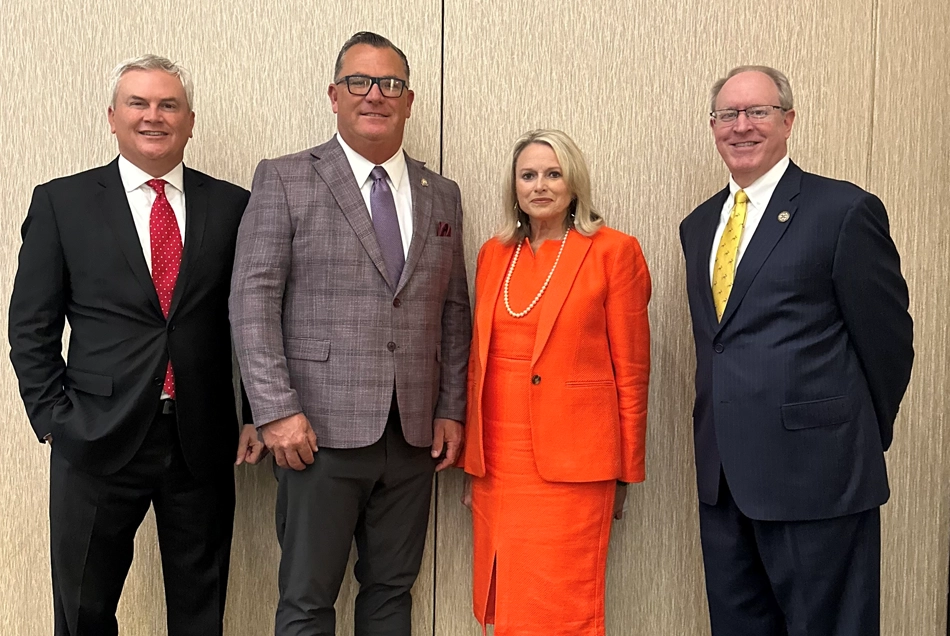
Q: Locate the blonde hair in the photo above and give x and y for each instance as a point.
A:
(515, 224)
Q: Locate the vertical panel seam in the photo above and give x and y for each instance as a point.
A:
(435, 488)
(875, 57)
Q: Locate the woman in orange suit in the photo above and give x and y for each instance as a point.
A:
(557, 396)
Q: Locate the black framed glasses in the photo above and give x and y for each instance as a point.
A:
(755, 113)
(361, 85)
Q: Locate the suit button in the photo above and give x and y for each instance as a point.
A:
(719, 348)
(536, 379)
(397, 302)
(156, 381)
(173, 328)
(391, 346)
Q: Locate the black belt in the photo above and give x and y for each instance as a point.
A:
(168, 407)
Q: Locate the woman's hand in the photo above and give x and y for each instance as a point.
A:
(620, 496)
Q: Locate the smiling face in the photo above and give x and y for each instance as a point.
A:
(750, 148)
(151, 120)
(543, 193)
(372, 125)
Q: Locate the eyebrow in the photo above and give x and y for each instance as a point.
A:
(163, 100)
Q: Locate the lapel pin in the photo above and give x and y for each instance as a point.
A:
(425, 183)
(783, 216)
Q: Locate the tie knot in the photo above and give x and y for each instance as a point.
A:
(742, 197)
(157, 184)
(378, 173)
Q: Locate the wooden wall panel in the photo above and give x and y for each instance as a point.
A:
(910, 171)
(261, 70)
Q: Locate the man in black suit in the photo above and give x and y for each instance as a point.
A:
(804, 349)
(143, 412)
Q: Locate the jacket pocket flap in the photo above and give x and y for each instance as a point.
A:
(89, 382)
(825, 412)
(307, 349)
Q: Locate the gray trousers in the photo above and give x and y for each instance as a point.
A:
(379, 495)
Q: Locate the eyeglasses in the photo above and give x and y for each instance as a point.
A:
(755, 113)
(361, 85)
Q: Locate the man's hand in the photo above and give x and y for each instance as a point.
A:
(250, 448)
(620, 496)
(447, 433)
(292, 441)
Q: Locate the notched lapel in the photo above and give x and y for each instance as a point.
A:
(708, 223)
(114, 204)
(496, 266)
(766, 236)
(421, 219)
(196, 216)
(330, 163)
(561, 283)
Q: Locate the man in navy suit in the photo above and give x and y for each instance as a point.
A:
(803, 353)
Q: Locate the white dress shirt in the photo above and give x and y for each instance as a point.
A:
(398, 181)
(759, 193)
(141, 196)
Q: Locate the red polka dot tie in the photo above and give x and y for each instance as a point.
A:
(165, 241)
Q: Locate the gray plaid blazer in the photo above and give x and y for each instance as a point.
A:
(318, 327)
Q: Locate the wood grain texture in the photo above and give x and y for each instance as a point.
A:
(628, 80)
(910, 171)
(261, 71)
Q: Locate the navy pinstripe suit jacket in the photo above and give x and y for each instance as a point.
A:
(798, 386)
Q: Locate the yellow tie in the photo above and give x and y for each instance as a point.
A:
(724, 269)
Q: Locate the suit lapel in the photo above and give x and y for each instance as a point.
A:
(196, 215)
(708, 223)
(496, 266)
(766, 236)
(421, 219)
(561, 282)
(330, 163)
(114, 204)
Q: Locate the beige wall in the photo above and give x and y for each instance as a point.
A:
(628, 81)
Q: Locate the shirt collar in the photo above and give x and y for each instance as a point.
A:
(760, 191)
(362, 167)
(134, 177)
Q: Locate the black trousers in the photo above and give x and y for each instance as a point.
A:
(93, 520)
(380, 496)
(791, 578)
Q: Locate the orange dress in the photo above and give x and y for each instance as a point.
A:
(540, 547)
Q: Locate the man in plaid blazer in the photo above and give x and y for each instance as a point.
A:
(354, 365)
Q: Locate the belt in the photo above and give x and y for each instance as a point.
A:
(168, 407)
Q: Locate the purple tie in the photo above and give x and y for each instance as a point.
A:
(383, 208)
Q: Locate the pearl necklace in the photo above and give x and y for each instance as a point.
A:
(511, 269)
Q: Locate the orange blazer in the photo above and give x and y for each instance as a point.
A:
(590, 369)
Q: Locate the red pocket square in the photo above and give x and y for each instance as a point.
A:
(444, 229)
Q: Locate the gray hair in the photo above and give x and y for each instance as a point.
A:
(371, 39)
(151, 62)
(785, 99)
(515, 224)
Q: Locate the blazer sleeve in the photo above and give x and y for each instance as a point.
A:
(456, 330)
(628, 333)
(873, 298)
(38, 314)
(262, 263)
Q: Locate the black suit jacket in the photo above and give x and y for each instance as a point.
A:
(798, 386)
(81, 261)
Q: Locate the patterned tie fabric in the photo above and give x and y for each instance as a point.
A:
(724, 269)
(165, 241)
(383, 208)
